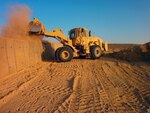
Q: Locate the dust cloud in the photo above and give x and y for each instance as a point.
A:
(18, 20)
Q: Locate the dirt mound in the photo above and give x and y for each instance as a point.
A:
(118, 47)
(135, 53)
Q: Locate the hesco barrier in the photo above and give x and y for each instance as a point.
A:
(16, 55)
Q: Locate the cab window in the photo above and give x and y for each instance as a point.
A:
(72, 34)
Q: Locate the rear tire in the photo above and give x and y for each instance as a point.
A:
(95, 52)
(64, 54)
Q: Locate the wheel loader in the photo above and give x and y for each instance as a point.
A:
(79, 44)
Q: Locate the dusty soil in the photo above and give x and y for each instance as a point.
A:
(82, 85)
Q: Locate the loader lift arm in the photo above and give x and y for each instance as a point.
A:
(38, 28)
(58, 34)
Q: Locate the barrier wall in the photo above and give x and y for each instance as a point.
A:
(16, 55)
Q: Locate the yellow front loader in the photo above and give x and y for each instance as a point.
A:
(79, 44)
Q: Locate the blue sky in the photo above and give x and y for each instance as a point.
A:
(117, 21)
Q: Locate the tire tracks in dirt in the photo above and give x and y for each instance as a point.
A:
(81, 86)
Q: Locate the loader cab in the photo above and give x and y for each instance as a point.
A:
(78, 32)
(77, 35)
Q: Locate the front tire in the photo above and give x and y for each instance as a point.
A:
(64, 54)
(56, 53)
(95, 52)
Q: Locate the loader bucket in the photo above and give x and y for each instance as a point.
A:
(35, 27)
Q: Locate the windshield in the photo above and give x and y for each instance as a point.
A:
(72, 34)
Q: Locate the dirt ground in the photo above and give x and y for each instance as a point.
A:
(82, 85)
